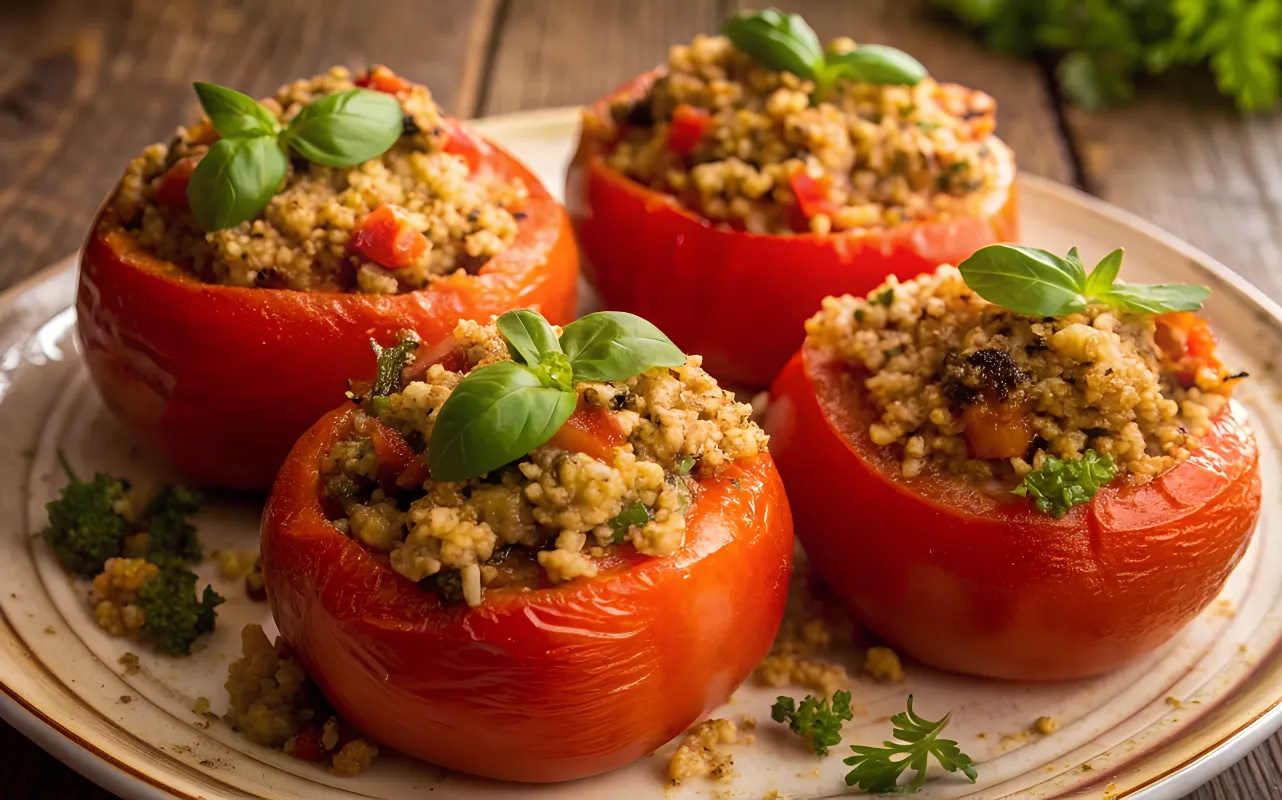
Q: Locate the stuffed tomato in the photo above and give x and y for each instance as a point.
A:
(724, 198)
(1032, 496)
(540, 600)
(233, 281)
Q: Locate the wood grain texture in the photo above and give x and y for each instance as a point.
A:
(1181, 157)
(84, 84)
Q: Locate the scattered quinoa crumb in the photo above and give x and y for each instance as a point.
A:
(201, 706)
(1046, 725)
(698, 757)
(235, 564)
(796, 659)
(882, 665)
(1174, 702)
(130, 662)
(126, 698)
(748, 722)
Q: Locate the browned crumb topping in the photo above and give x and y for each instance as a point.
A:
(1046, 725)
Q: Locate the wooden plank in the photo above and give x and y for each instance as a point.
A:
(1191, 164)
(570, 52)
(85, 84)
(1026, 116)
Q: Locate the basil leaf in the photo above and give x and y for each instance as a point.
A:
(346, 128)
(235, 115)
(876, 63)
(528, 335)
(391, 362)
(494, 416)
(1102, 277)
(555, 371)
(1026, 280)
(615, 346)
(235, 181)
(776, 40)
(1156, 298)
(631, 516)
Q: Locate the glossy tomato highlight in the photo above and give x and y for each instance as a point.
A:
(965, 581)
(546, 685)
(740, 299)
(223, 379)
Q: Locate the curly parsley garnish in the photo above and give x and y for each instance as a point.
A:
(816, 721)
(85, 525)
(876, 769)
(1061, 484)
(1041, 284)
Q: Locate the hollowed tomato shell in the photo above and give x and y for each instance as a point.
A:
(739, 299)
(967, 582)
(546, 685)
(224, 379)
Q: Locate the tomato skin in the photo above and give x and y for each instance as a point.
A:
(966, 582)
(172, 190)
(812, 194)
(540, 686)
(737, 298)
(385, 237)
(689, 124)
(223, 379)
(381, 79)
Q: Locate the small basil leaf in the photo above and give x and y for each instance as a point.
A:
(876, 63)
(235, 181)
(615, 346)
(555, 371)
(1101, 279)
(235, 115)
(776, 40)
(528, 335)
(346, 128)
(1025, 280)
(635, 515)
(494, 416)
(1157, 298)
(391, 363)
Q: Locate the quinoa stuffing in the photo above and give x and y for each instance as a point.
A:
(962, 386)
(614, 480)
(699, 756)
(309, 236)
(273, 703)
(766, 151)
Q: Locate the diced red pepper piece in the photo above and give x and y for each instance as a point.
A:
(446, 352)
(591, 430)
(813, 194)
(397, 461)
(381, 79)
(172, 189)
(307, 745)
(1188, 343)
(386, 237)
(689, 124)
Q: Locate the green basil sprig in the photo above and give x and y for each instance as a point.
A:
(244, 169)
(1041, 284)
(502, 411)
(785, 42)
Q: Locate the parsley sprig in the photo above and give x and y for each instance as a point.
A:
(1060, 484)
(1041, 284)
(817, 721)
(877, 769)
(244, 169)
(500, 412)
(1104, 46)
(786, 43)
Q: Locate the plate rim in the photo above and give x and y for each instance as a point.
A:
(117, 776)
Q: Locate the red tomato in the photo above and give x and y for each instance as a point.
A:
(1001, 431)
(381, 79)
(738, 298)
(385, 237)
(1188, 343)
(403, 466)
(689, 124)
(812, 193)
(172, 190)
(592, 430)
(968, 582)
(546, 685)
(223, 379)
(308, 744)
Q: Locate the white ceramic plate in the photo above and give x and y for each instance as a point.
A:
(1155, 729)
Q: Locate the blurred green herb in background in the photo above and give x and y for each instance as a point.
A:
(1101, 46)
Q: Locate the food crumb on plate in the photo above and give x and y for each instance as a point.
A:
(130, 662)
(698, 756)
(126, 699)
(1046, 725)
(235, 564)
(201, 706)
(882, 665)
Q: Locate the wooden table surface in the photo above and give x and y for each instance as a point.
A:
(84, 84)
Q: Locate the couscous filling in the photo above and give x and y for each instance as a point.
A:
(962, 386)
(391, 224)
(615, 483)
(763, 150)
